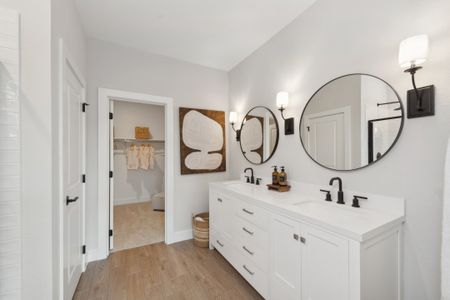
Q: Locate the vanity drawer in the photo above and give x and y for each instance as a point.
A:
(253, 214)
(250, 233)
(259, 255)
(254, 275)
(222, 244)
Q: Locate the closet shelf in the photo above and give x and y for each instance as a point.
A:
(122, 140)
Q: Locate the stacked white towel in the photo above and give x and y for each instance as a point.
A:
(445, 256)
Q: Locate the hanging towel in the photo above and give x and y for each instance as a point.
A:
(445, 256)
(144, 153)
(132, 158)
(151, 158)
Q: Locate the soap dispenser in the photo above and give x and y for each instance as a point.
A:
(282, 178)
(275, 175)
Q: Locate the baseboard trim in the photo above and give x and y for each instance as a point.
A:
(123, 201)
(94, 255)
(182, 235)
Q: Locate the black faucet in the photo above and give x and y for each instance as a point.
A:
(252, 178)
(340, 192)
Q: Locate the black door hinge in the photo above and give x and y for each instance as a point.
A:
(111, 115)
(308, 128)
(111, 232)
(83, 178)
(111, 174)
(83, 249)
(83, 106)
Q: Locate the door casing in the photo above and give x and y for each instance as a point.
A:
(104, 98)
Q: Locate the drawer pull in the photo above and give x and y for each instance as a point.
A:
(248, 231)
(248, 251)
(219, 199)
(247, 211)
(220, 244)
(246, 269)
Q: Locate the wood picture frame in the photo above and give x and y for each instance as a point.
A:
(202, 141)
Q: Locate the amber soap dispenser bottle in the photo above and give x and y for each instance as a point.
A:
(275, 175)
(282, 177)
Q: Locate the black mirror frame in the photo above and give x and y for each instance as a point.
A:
(276, 142)
(385, 153)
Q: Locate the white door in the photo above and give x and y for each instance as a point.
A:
(111, 175)
(325, 268)
(73, 169)
(326, 140)
(285, 259)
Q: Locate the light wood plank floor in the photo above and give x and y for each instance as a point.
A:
(179, 271)
(137, 225)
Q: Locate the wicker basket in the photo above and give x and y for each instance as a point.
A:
(201, 230)
(142, 133)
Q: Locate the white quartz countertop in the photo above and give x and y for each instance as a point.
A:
(355, 223)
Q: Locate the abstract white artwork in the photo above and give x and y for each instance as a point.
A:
(202, 141)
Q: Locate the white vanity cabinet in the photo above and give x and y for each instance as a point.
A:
(286, 255)
(285, 258)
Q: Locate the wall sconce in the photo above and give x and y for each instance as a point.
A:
(282, 103)
(412, 53)
(233, 120)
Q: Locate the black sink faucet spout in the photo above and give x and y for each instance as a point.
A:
(340, 192)
(252, 178)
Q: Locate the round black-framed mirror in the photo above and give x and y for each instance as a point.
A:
(259, 135)
(351, 122)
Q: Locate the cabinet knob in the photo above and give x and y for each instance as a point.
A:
(295, 236)
(303, 240)
(219, 199)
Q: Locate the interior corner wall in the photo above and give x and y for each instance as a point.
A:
(333, 38)
(190, 85)
(65, 25)
(36, 187)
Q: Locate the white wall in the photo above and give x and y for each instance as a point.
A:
(115, 67)
(36, 134)
(37, 89)
(333, 38)
(10, 164)
(132, 186)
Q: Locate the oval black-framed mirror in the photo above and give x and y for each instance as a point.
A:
(351, 122)
(259, 135)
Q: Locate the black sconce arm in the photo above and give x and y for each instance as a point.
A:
(412, 70)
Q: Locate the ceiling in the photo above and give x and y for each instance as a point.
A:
(213, 33)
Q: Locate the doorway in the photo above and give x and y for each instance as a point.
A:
(329, 138)
(137, 162)
(106, 169)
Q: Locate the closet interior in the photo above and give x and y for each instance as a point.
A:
(138, 165)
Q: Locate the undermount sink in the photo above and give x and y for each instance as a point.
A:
(326, 208)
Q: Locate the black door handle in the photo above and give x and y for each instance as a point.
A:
(68, 200)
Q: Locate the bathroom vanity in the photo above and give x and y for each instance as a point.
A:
(295, 245)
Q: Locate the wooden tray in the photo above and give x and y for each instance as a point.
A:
(279, 188)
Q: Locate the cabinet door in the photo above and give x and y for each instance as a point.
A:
(325, 268)
(285, 259)
(221, 213)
